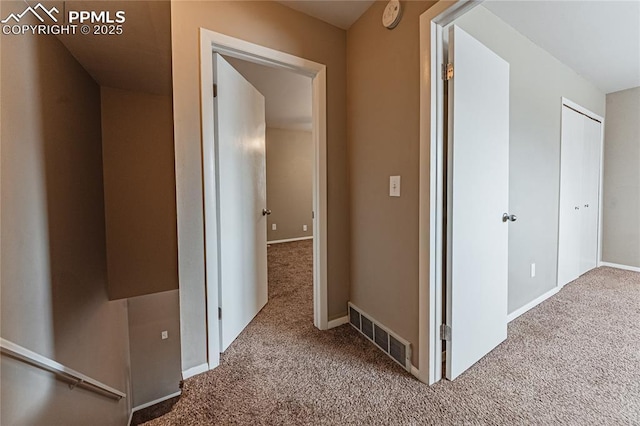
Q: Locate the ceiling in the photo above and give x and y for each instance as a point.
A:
(139, 59)
(339, 13)
(287, 94)
(600, 40)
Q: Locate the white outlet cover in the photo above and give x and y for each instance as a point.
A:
(273, 226)
(394, 186)
(533, 270)
(304, 227)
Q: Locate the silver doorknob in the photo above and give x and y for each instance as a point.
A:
(507, 217)
(266, 212)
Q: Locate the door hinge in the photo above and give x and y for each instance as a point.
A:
(445, 332)
(313, 214)
(215, 90)
(219, 313)
(447, 72)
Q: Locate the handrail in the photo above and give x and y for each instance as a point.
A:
(76, 378)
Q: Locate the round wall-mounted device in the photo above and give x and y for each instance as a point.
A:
(392, 14)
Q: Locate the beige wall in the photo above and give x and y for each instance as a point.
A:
(139, 192)
(383, 103)
(289, 183)
(272, 25)
(155, 363)
(53, 270)
(538, 81)
(621, 218)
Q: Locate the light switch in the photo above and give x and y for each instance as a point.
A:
(165, 335)
(394, 186)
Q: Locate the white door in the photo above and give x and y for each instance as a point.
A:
(478, 196)
(590, 194)
(241, 176)
(570, 219)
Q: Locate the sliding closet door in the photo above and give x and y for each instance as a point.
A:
(571, 169)
(590, 194)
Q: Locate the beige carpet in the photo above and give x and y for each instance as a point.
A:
(575, 360)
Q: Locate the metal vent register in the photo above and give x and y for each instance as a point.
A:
(393, 345)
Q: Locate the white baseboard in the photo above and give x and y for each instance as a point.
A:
(195, 370)
(515, 314)
(338, 322)
(618, 266)
(290, 240)
(149, 404)
(415, 372)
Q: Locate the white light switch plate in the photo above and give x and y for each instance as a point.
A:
(394, 186)
(165, 335)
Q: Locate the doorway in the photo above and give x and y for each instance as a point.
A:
(534, 160)
(219, 44)
(285, 177)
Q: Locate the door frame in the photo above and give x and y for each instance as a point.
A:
(431, 192)
(213, 42)
(584, 111)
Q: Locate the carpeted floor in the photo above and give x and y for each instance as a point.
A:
(575, 359)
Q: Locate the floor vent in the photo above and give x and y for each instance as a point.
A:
(397, 348)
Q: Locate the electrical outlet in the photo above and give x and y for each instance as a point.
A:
(165, 335)
(394, 186)
(273, 227)
(304, 227)
(533, 270)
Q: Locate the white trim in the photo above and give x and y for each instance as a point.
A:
(155, 401)
(431, 185)
(581, 109)
(515, 314)
(210, 42)
(618, 266)
(26, 355)
(289, 240)
(130, 418)
(195, 370)
(338, 322)
(415, 372)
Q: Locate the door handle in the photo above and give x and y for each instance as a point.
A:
(507, 217)
(266, 212)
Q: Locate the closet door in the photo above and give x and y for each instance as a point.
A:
(590, 194)
(571, 169)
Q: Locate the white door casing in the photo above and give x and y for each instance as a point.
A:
(214, 42)
(478, 195)
(241, 176)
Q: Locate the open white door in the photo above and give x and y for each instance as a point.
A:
(241, 176)
(477, 199)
